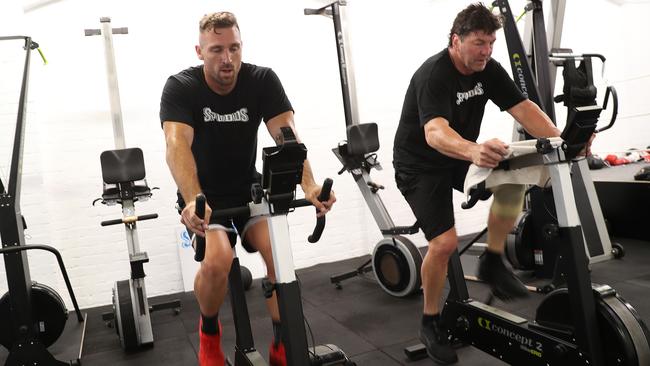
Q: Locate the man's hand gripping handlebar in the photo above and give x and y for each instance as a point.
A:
(245, 210)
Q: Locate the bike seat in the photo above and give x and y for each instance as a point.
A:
(362, 139)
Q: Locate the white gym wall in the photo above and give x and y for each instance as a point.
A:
(69, 122)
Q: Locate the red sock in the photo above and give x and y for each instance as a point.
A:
(210, 353)
(277, 355)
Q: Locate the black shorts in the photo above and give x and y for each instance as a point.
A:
(233, 226)
(430, 196)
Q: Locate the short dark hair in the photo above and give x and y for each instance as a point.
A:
(475, 17)
(222, 19)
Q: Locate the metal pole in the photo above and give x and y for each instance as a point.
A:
(113, 88)
(541, 61)
(111, 73)
(554, 32)
(343, 65)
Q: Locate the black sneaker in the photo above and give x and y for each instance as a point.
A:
(504, 284)
(437, 344)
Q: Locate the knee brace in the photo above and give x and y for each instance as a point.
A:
(508, 200)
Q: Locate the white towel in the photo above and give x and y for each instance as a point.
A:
(537, 175)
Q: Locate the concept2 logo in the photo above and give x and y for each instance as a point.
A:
(525, 343)
(516, 61)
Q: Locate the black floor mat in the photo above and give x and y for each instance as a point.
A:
(369, 325)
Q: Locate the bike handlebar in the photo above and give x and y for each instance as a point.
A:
(610, 90)
(320, 222)
(199, 253)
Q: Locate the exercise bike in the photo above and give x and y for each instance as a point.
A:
(33, 315)
(123, 174)
(582, 324)
(274, 198)
(395, 260)
(534, 68)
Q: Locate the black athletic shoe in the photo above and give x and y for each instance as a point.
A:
(438, 348)
(504, 284)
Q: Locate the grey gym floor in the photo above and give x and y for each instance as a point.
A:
(371, 326)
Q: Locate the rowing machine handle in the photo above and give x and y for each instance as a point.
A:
(199, 251)
(129, 220)
(320, 222)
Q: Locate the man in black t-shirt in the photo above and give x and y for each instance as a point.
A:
(434, 145)
(210, 115)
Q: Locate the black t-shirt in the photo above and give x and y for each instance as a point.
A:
(225, 126)
(437, 89)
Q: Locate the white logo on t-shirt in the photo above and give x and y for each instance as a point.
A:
(478, 90)
(238, 116)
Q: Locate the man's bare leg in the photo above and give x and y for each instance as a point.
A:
(434, 269)
(211, 281)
